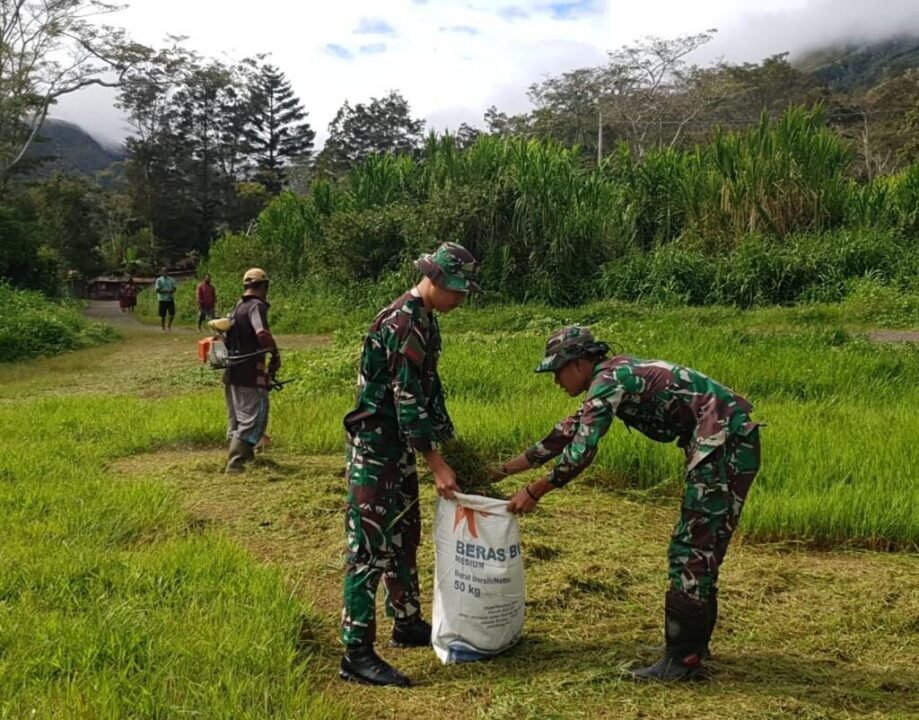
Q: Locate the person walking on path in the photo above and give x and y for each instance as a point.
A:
(124, 292)
(130, 291)
(400, 410)
(165, 288)
(665, 402)
(248, 377)
(206, 297)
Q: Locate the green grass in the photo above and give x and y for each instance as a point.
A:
(840, 450)
(136, 580)
(114, 602)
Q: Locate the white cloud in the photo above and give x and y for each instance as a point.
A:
(453, 58)
(374, 26)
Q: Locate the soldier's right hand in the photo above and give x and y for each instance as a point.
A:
(445, 482)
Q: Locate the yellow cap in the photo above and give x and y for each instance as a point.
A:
(255, 275)
(221, 325)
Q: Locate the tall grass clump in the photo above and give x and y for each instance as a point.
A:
(763, 270)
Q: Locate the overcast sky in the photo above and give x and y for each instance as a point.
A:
(453, 58)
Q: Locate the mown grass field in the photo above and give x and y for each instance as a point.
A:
(137, 580)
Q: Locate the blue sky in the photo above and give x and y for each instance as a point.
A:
(452, 59)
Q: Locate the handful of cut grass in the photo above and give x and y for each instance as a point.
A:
(471, 467)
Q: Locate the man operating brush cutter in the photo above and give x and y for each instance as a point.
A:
(666, 402)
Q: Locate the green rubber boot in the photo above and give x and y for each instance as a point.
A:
(240, 453)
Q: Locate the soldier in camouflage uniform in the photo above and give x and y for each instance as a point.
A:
(400, 410)
(666, 402)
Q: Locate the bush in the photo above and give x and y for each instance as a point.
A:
(762, 271)
(32, 325)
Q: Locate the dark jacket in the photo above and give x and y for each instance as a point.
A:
(251, 341)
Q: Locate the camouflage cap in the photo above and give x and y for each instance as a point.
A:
(570, 343)
(451, 266)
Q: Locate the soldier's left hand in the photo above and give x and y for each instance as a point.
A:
(521, 502)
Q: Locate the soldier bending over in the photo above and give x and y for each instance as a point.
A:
(666, 402)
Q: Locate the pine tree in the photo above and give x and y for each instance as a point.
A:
(277, 134)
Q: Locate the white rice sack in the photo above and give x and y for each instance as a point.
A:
(479, 584)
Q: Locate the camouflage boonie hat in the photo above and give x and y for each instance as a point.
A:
(570, 343)
(451, 266)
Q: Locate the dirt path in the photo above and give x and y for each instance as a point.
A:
(894, 336)
(108, 311)
(147, 362)
(131, 325)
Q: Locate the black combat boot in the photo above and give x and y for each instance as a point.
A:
(712, 621)
(411, 632)
(686, 630)
(361, 664)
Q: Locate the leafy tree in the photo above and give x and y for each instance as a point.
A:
(384, 125)
(770, 86)
(49, 49)
(146, 94)
(466, 136)
(197, 136)
(21, 262)
(646, 94)
(70, 221)
(188, 151)
(882, 123)
(277, 134)
(504, 125)
(567, 106)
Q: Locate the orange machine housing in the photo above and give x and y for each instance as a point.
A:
(204, 349)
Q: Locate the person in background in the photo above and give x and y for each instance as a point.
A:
(165, 288)
(248, 377)
(123, 292)
(206, 296)
(130, 294)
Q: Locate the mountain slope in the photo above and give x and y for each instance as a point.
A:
(857, 66)
(65, 146)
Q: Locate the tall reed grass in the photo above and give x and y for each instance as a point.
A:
(545, 220)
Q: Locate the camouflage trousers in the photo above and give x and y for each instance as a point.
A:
(383, 530)
(712, 502)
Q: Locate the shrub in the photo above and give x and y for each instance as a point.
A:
(32, 325)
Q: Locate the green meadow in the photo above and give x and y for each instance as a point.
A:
(136, 580)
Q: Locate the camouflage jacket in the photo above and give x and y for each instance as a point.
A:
(400, 397)
(663, 401)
